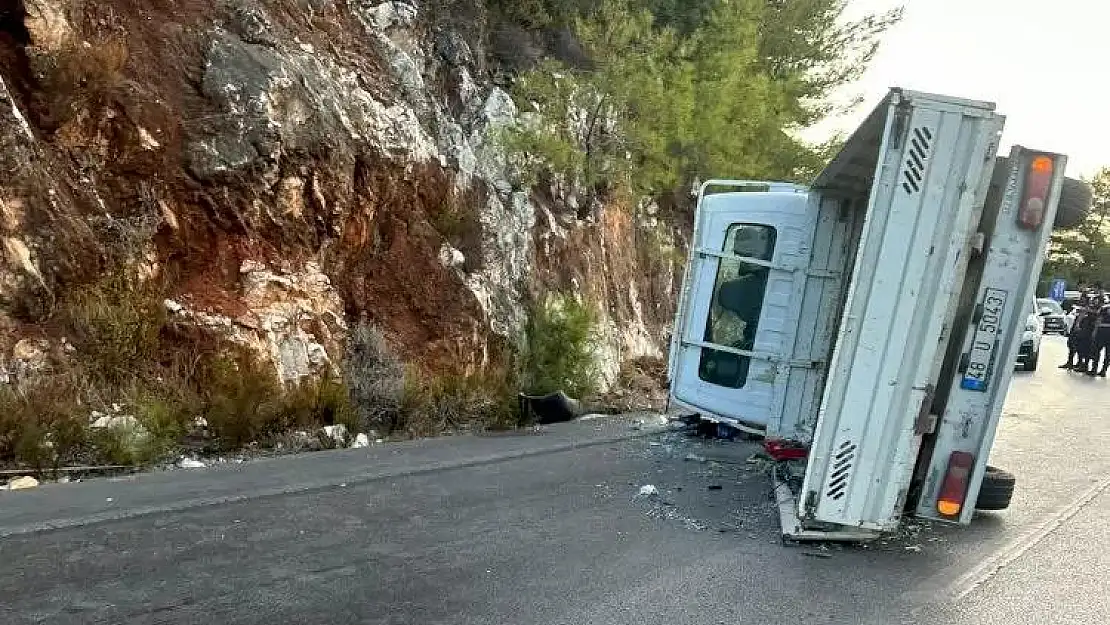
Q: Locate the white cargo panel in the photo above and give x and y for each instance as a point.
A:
(927, 192)
(1003, 285)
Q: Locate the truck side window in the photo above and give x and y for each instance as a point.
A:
(737, 304)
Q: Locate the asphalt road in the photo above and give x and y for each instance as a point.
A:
(548, 529)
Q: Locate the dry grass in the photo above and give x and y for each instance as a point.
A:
(434, 405)
(115, 326)
(375, 377)
(85, 76)
(123, 357)
(43, 423)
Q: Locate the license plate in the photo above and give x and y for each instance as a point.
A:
(984, 345)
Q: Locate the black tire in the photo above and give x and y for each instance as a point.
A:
(997, 490)
(1075, 202)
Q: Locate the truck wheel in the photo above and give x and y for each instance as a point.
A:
(1075, 202)
(996, 491)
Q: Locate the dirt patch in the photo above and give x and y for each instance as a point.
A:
(386, 268)
(602, 259)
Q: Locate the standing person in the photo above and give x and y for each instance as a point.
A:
(1073, 337)
(1101, 344)
(1075, 343)
(1096, 297)
(1069, 320)
(1081, 337)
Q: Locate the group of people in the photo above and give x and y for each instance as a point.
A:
(1089, 333)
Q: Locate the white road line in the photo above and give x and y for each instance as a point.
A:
(967, 583)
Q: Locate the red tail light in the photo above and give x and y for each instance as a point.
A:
(953, 490)
(1038, 182)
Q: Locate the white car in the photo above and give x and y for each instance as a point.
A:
(1030, 352)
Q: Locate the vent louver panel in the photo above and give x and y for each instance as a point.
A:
(842, 465)
(921, 145)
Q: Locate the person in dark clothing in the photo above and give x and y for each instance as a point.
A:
(1073, 341)
(1101, 343)
(1079, 341)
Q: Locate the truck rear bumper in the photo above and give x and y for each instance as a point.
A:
(794, 529)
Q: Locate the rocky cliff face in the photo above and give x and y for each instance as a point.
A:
(286, 167)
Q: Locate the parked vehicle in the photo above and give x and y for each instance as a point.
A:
(863, 320)
(1053, 315)
(1029, 354)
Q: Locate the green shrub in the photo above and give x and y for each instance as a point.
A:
(115, 325)
(163, 415)
(241, 399)
(43, 423)
(314, 402)
(559, 352)
(539, 14)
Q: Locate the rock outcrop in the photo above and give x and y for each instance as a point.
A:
(288, 166)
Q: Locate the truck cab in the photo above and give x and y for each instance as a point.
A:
(869, 317)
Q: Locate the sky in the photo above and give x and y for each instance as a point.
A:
(1045, 63)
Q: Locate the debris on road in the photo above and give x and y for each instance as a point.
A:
(360, 441)
(669, 512)
(23, 482)
(655, 420)
(779, 450)
(817, 554)
(695, 458)
(914, 548)
(190, 463)
(714, 487)
(648, 490)
(337, 433)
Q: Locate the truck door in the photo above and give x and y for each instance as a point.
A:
(741, 302)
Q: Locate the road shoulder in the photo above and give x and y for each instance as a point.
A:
(57, 506)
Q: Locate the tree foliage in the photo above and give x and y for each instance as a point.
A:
(559, 349)
(679, 90)
(1082, 254)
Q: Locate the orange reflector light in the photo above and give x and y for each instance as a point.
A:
(953, 489)
(1038, 181)
(1041, 165)
(948, 508)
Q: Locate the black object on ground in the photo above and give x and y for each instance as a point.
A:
(556, 407)
(996, 491)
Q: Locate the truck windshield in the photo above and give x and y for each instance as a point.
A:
(737, 303)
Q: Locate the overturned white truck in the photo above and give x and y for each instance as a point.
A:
(871, 320)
